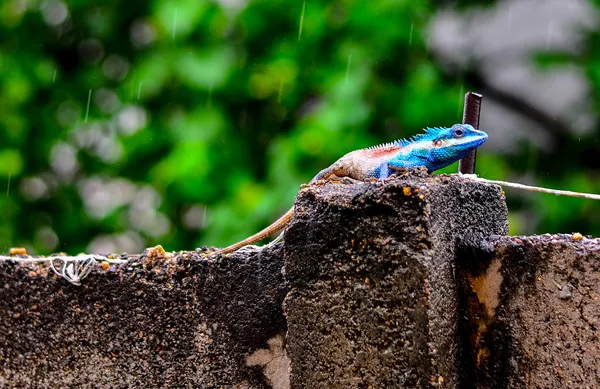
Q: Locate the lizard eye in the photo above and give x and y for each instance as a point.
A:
(458, 133)
(438, 142)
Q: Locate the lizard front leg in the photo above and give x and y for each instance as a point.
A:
(347, 180)
(396, 170)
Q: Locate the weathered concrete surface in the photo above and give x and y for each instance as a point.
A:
(533, 313)
(373, 300)
(179, 322)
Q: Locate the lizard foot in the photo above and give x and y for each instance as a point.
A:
(346, 180)
(336, 179)
(396, 171)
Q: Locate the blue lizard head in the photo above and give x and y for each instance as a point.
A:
(438, 147)
(449, 145)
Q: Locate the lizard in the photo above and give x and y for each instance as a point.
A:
(434, 149)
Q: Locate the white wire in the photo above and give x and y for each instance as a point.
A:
(591, 196)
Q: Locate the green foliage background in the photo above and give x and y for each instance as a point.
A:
(194, 122)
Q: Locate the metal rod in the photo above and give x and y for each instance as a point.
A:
(470, 116)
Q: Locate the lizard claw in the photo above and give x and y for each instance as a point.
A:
(348, 181)
(397, 170)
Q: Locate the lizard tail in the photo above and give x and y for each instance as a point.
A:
(270, 230)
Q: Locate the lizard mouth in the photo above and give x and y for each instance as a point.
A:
(468, 142)
(474, 143)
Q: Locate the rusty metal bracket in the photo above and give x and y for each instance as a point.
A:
(471, 113)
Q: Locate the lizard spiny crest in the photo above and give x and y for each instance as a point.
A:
(431, 133)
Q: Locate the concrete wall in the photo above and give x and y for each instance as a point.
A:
(178, 322)
(408, 283)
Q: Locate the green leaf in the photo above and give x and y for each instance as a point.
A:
(205, 69)
(11, 163)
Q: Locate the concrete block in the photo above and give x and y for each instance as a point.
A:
(373, 299)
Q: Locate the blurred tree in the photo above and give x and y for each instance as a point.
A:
(188, 122)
